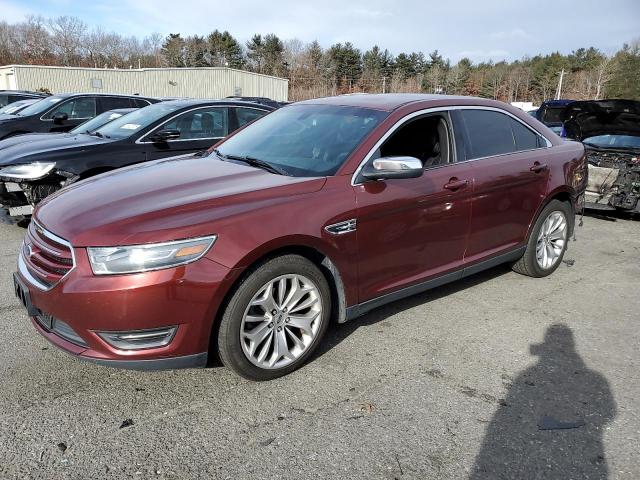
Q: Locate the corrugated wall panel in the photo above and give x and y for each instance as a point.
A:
(162, 82)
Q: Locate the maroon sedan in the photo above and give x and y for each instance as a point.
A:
(320, 211)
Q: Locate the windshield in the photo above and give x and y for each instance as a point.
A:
(614, 141)
(40, 106)
(96, 122)
(304, 140)
(14, 107)
(133, 122)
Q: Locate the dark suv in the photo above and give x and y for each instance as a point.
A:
(61, 113)
(321, 210)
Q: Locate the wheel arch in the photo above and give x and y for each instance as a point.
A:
(254, 259)
(563, 194)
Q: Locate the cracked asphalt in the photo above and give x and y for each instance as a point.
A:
(460, 382)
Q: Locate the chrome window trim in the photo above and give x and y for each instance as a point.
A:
(425, 111)
(22, 266)
(140, 141)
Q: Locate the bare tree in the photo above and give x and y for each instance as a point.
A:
(603, 74)
(67, 36)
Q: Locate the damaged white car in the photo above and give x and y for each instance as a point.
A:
(610, 132)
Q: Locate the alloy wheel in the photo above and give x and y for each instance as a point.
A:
(551, 240)
(281, 321)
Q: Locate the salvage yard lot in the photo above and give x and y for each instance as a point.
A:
(434, 386)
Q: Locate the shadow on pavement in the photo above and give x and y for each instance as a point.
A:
(338, 332)
(553, 419)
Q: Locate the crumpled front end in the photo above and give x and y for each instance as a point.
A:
(614, 181)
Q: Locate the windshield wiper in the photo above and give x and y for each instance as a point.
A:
(253, 162)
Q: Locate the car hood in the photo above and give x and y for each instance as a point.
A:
(163, 200)
(5, 116)
(601, 117)
(35, 147)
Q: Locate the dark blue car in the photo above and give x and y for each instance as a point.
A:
(550, 113)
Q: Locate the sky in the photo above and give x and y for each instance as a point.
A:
(478, 29)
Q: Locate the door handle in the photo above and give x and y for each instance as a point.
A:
(538, 167)
(455, 184)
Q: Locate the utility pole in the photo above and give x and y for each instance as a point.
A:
(559, 90)
(384, 84)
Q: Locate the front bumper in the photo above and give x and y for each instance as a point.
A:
(13, 198)
(185, 296)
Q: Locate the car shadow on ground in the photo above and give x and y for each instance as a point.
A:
(338, 332)
(552, 421)
(611, 215)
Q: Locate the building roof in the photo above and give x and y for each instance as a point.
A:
(158, 69)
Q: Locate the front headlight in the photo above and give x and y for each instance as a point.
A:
(143, 258)
(29, 171)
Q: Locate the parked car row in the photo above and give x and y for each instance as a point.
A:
(319, 211)
(61, 113)
(32, 166)
(8, 97)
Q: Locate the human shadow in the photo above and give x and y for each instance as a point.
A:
(551, 424)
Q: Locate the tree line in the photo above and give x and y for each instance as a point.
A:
(314, 70)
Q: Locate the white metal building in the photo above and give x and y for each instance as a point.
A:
(214, 82)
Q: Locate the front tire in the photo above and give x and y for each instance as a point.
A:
(275, 318)
(547, 242)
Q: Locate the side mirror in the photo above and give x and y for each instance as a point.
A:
(165, 135)
(393, 167)
(59, 118)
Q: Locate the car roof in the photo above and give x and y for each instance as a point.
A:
(392, 101)
(556, 103)
(197, 102)
(24, 92)
(94, 94)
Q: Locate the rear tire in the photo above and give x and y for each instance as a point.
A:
(275, 319)
(547, 242)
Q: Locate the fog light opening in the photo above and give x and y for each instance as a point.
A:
(139, 339)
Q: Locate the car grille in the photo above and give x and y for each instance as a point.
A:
(47, 257)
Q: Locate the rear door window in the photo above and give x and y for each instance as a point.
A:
(247, 115)
(4, 100)
(113, 103)
(204, 123)
(525, 138)
(140, 103)
(487, 133)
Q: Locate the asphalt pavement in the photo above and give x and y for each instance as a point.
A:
(496, 376)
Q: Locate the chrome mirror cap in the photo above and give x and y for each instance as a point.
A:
(393, 167)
